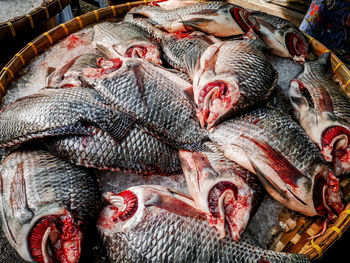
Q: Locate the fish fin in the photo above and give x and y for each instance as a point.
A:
(172, 201)
(265, 182)
(138, 73)
(120, 126)
(77, 129)
(286, 171)
(60, 72)
(195, 23)
(191, 64)
(18, 197)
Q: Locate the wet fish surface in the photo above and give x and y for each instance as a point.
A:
(215, 18)
(156, 99)
(161, 224)
(282, 36)
(52, 112)
(289, 165)
(323, 111)
(137, 152)
(230, 77)
(125, 39)
(44, 198)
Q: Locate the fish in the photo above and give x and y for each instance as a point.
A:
(230, 76)
(322, 109)
(125, 39)
(54, 112)
(176, 47)
(215, 18)
(222, 189)
(46, 203)
(282, 36)
(156, 98)
(151, 223)
(137, 152)
(69, 75)
(289, 165)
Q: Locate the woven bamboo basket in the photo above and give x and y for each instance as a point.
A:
(297, 240)
(18, 26)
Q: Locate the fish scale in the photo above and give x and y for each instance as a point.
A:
(156, 101)
(192, 241)
(137, 152)
(57, 112)
(264, 124)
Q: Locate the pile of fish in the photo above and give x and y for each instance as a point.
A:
(177, 86)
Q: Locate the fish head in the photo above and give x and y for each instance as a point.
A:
(285, 41)
(219, 190)
(130, 207)
(51, 235)
(140, 49)
(215, 96)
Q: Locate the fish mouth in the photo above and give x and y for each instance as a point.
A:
(297, 46)
(149, 52)
(243, 18)
(335, 147)
(55, 238)
(215, 101)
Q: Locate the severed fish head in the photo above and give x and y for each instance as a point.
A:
(321, 108)
(285, 40)
(43, 214)
(220, 189)
(215, 95)
(47, 234)
(125, 40)
(130, 207)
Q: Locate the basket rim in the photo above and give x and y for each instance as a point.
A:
(47, 10)
(316, 247)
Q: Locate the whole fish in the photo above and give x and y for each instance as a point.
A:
(137, 151)
(69, 75)
(231, 76)
(155, 97)
(45, 203)
(215, 18)
(282, 36)
(290, 166)
(221, 189)
(125, 39)
(177, 47)
(156, 224)
(52, 112)
(323, 111)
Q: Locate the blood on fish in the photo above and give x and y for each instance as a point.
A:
(328, 136)
(74, 41)
(317, 195)
(64, 238)
(207, 88)
(131, 205)
(129, 52)
(181, 34)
